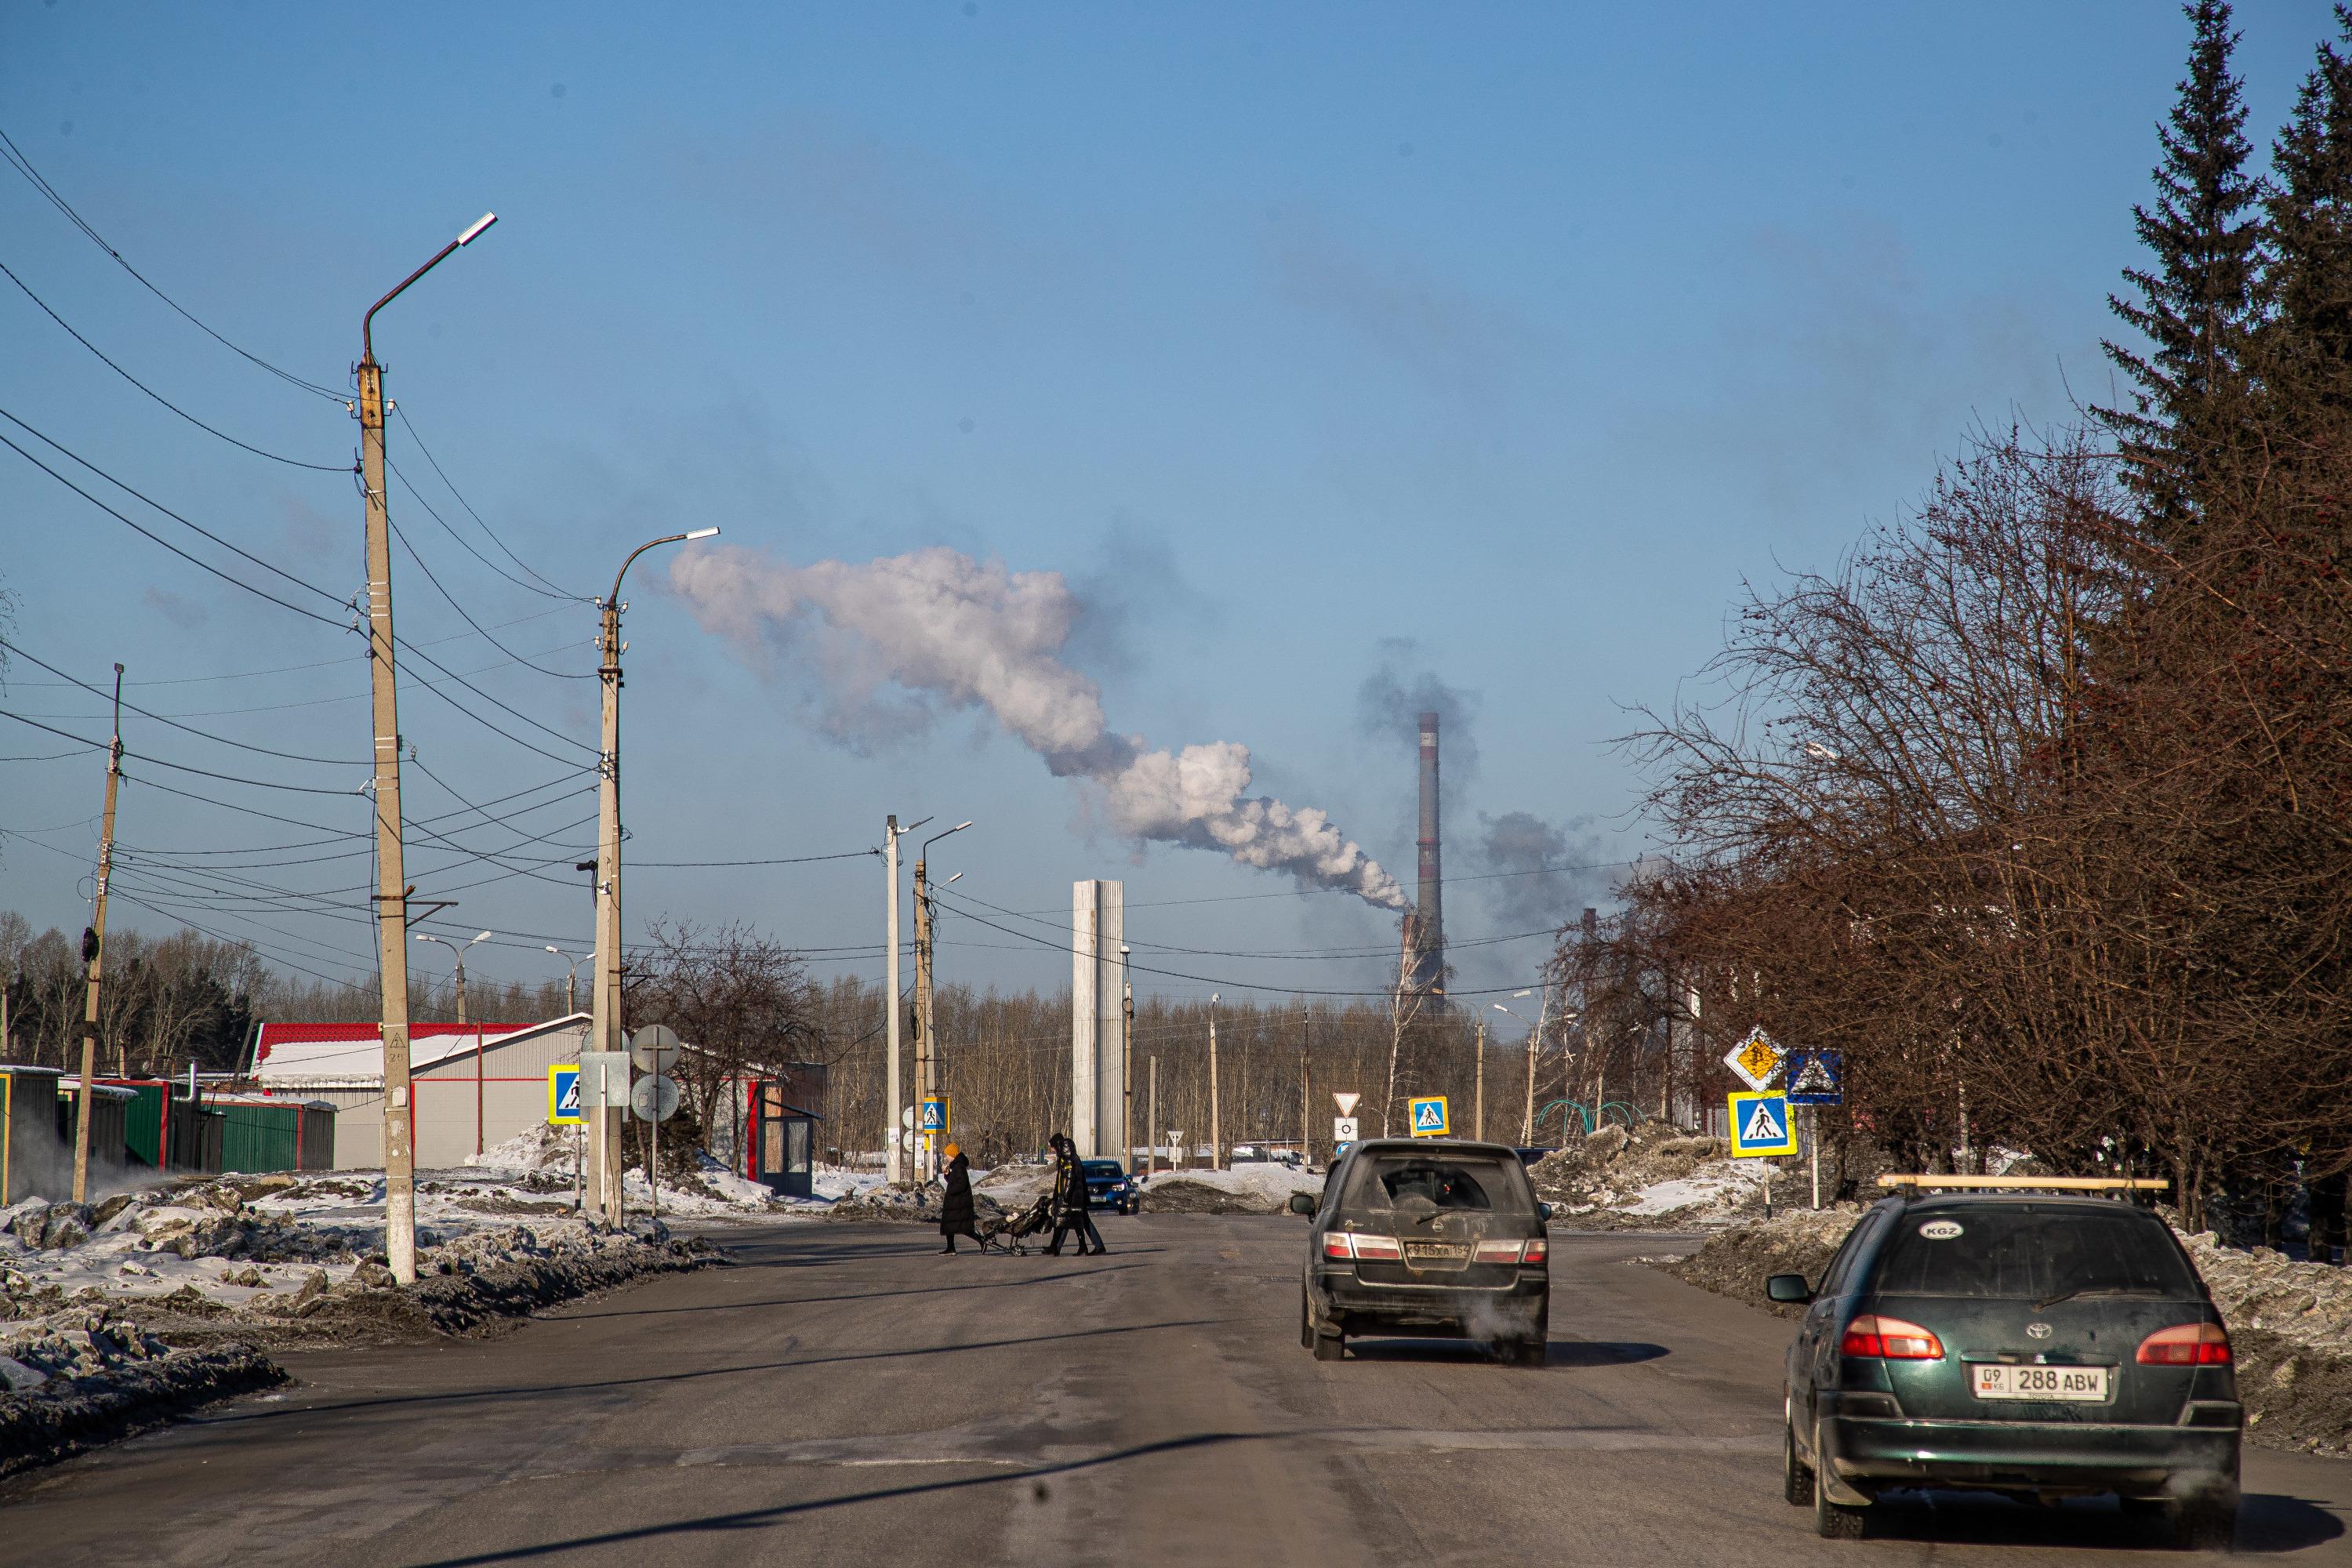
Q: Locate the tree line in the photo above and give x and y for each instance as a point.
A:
(2038, 805)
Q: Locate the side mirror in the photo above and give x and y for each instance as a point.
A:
(1302, 1203)
(1543, 1212)
(1790, 1289)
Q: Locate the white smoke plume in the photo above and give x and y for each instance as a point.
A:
(937, 626)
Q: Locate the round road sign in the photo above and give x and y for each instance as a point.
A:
(654, 1047)
(653, 1099)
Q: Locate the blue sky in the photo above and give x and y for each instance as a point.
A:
(1518, 335)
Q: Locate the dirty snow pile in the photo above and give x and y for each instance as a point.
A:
(1657, 1178)
(1251, 1188)
(265, 1252)
(72, 1378)
(1738, 1260)
(918, 1205)
(545, 1160)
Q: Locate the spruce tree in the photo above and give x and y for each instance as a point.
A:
(2304, 354)
(2195, 303)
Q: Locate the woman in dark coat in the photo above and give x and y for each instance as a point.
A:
(1071, 1200)
(956, 1216)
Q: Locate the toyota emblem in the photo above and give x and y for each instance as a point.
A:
(2037, 1330)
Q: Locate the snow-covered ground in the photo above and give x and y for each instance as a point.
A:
(1250, 1187)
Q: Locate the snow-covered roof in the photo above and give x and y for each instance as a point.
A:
(314, 1054)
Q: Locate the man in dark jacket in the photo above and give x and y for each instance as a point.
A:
(1071, 1201)
(956, 1215)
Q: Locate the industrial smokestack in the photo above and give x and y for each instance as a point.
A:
(1429, 964)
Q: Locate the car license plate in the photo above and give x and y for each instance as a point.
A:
(2008, 1381)
(1436, 1255)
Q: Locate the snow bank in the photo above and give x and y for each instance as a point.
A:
(71, 1380)
(1656, 1178)
(1252, 1187)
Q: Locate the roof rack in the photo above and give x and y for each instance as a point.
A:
(2026, 1183)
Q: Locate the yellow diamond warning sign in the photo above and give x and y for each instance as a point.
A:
(1755, 1059)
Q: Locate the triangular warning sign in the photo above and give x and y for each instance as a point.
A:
(1814, 1079)
(1346, 1102)
(1763, 1126)
(1429, 1116)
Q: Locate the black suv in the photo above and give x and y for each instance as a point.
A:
(2026, 1344)
(1426, 1236)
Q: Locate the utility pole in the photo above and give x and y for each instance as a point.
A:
(1151, 1160)
(1527, 1122)
(1216, 1126)
(922, 1149)
(1479, 1098)
(93, 947)
(1126, 1068)
(1306, 1084)
(890, 1141)
(604, 994)
(392, 888)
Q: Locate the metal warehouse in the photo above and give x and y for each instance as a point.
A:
(476, 1085)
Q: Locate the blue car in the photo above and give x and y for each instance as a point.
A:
(1109, 1187)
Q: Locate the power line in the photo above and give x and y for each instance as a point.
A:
(24, 165)
(469, 620)
(108, 364)
(550, 590)
(185, 729)
(217, 539)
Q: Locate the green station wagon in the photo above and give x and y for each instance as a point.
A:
(2038, 1346)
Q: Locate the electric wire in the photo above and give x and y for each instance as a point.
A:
(185, 729)
(108, 364)
(561, 674)
(17, 160)
(191, 560)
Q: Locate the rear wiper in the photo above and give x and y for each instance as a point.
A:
(2096, 1290)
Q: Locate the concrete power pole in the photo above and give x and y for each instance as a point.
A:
(1478, 1097)
(1151, 1160)
(890, 1141)
(1126, 1067)
(1306, 1085)
(392, 888)
(391, 870)
(605, 995)
(922, 1150)
(1216, 1123)
(93, 950)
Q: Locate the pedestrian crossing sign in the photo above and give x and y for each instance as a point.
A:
(563, 1095)
(935, 1115)
(1429, 1118)
(1760, 1124)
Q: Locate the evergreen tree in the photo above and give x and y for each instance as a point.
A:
(2196, 304)
(2305, 354)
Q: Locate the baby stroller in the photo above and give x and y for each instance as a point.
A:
(1009, 1232)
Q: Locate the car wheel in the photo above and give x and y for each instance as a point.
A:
(1330, 1347)
(1305, 1322)
(1832, 1521)
(1528, 1351)
(1796, 1476)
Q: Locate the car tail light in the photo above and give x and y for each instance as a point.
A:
(2187, 1344)
(1379, 1246)
(1335, 1245)
(1889, 1339)
(1498, 1252)
(1538, 1250)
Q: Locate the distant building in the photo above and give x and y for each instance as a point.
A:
(474, 1085)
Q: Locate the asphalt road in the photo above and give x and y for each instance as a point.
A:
(848, 1396)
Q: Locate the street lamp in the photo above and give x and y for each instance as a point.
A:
(927, 1059)
(460, 951)
(605, 1001)
(1125, 1063)
(571, 1000)
(392, 888)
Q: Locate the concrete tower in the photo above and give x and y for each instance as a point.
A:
(1429, 961)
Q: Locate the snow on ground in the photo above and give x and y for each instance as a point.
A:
(1251, 1188)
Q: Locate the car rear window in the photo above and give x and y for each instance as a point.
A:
(2033, 1253)
(1414, 1181)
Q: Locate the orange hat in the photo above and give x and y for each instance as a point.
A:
(951, 1151)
